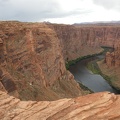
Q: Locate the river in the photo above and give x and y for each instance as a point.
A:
(94, 82)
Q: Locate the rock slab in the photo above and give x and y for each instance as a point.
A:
(98, 106)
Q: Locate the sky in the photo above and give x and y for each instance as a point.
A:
(60, 11)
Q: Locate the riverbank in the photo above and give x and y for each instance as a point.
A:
(85, 90)
(113, 74)
(73, 62)
(93, 66)
(94, 82)
(109, 74)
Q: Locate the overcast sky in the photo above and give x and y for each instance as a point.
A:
(60, 11)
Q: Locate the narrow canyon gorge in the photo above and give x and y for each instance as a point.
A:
(34, 81)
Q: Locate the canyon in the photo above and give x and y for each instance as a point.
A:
(32, 67)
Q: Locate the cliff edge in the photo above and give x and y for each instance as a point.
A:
(99, 106)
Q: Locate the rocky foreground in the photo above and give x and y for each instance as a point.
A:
(99, 106)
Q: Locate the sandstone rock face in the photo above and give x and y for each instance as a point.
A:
(80, 41)
(32, 67)
(113, 59)
(75, 41)
(31, 61)
(109, 59)
(33, 55)
(99, 106)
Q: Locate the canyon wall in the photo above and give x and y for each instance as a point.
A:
(78, 41)
(32, 67)
(33, 56)
(31, 62)
(113, 59)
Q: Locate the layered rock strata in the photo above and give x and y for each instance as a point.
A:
(113, 59)
(33, 56)
(31, 62)
(99, 106)
(79, 41)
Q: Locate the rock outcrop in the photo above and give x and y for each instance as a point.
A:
(76, 41)
(32, 67)
(113, 59)
(99, 106)
(32, 63)
(33, 56)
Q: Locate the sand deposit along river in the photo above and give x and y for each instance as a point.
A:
(94, 82)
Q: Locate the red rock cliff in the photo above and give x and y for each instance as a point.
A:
(32, 56)
(32, 67)
(113, 59)
(80, 41)
(31, 62)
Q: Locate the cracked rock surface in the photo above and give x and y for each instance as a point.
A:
(98, 106)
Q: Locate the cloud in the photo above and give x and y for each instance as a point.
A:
(27, 10)
(35, 10)
(108, 4)
(64, 11)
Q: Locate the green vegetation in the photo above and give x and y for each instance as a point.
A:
(93, 66)
(72, 62)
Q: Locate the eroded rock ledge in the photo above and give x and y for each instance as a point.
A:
(98, 106)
